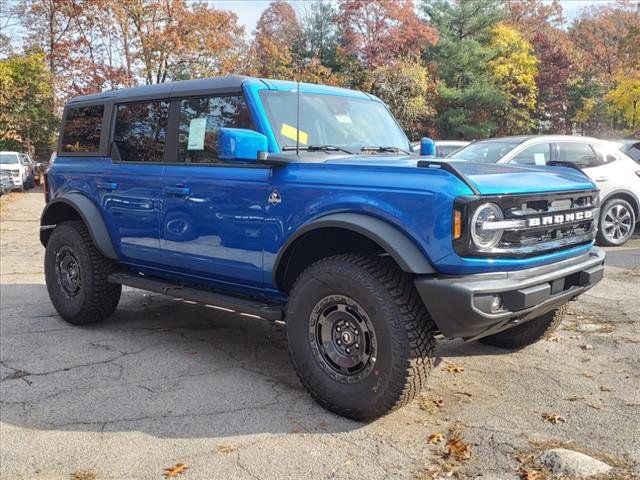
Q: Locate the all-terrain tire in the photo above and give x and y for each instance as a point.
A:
(399, 322)
(70, 250)
(529, 332)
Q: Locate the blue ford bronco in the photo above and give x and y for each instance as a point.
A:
(302, 203)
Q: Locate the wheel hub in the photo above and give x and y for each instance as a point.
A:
(342, 338)
(68, 271)
(617, 223)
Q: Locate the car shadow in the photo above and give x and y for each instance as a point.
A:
(158, 365)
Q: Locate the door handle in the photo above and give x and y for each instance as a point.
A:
(177, 191)
(106, 186)
(602, 179)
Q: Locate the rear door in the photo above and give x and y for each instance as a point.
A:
(212, 211)
(130, 191)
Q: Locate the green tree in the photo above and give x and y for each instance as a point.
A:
(469, 100)
(26, 103)
(515, 69)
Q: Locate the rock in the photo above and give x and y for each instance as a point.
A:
(573, 464)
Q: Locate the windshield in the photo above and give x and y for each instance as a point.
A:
(488, 151)
(9, 158)
(343, 122)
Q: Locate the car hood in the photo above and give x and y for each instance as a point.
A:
(9, 166)
(490, 178)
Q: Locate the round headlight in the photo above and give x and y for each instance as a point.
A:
(485, 239)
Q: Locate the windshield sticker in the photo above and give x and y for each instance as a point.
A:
(539, 159)
(292, 132)
(197, 129)
(343, 118)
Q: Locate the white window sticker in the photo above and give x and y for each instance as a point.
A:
(197, 129)
(539, 159)
(343, 118)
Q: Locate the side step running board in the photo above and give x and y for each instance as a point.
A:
(238, 304)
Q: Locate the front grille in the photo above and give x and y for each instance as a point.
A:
(538, 224)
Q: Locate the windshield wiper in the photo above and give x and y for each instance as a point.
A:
(317, 148)
(385, 149)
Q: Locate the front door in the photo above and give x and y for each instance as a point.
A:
(130, 190)
(212, 212)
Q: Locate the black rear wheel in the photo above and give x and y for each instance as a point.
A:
(359, 335)
(77, 275)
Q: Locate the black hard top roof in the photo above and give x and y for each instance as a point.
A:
(171, 89)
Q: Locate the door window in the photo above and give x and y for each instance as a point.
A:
(81, 130)
(141, 130)
(200, 120)
(538, 154)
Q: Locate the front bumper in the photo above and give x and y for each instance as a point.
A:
(461, 306)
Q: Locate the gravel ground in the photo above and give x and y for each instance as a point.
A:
(164, 382)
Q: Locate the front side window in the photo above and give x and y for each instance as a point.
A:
(82, 129)
(200, 120)
(538, 154)
(141, 130)
(580, 154)
(340, 121)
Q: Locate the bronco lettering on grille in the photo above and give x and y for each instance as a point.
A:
(559, 218)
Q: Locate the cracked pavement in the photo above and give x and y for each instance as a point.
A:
(165, 382)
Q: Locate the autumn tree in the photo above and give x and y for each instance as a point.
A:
(531, 17)
(514, 69)
(379, 32)
(277, 44)
(408, 91)
(27, 121)
(624, 101)
(319, 32)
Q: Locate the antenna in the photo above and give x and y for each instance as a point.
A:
(298, 120)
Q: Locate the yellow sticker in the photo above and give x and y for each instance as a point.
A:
(292, 132)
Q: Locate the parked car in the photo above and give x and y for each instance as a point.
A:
(30, 181)
(6, 184)
(443, 147)
(631, 148)
(302, 203)
(617, 176)
(11, 162)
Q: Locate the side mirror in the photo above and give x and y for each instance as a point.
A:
(427, 147)
(240, 144)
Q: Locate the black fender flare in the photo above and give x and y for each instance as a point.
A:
(396, 243)
(90, 215)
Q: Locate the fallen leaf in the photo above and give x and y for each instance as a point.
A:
(605, 389)
(177, 469)
(573, 399)
(458, 449)
(552, 338)
(586, 347)
(552, 418)
(531, 474)
(439, 403)
(435, 438)
(84, 475)
(226, 449)
(454, 368)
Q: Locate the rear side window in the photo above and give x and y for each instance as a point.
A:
(634, 151)
(200, 120)
(580, 154)
(82, 129)
(140, 131)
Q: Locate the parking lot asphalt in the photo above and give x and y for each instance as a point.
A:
(163, 382)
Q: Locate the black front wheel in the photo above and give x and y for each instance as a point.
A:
(76, 274)
(359, 336)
